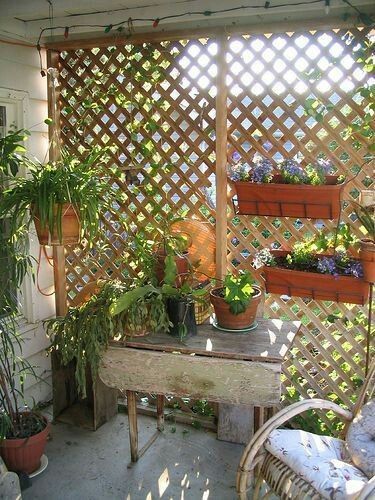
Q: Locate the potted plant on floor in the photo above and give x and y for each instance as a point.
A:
(23, 432)
(314, 268)
(236, 301)
(62, 198)
(287, 189)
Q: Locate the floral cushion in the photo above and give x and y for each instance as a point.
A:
(360, 439)
(322, 461)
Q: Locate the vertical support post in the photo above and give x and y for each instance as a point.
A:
(221, 159)
(133, 425)
(160, 411)
(54, 154)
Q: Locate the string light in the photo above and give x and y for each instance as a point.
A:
(327, 6)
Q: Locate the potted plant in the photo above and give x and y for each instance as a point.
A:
(172, 251)
(367, 245)
(236, 301)
(315, 268)
(62, 198)
(286, 190)
(117, 310)
(23, 432)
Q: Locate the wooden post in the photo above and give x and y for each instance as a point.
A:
(221, 159)
(54, 154)
(133, 426)
(160, 411)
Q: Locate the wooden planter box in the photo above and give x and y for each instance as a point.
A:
(289, 200)
(314, 285)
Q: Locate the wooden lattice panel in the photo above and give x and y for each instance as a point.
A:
(266, 94)
(267, 91)
(175, 118)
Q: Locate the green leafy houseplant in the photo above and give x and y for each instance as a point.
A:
(117, 310)
(236, 301)
(49, 190)
(367, 244)
(11, 149)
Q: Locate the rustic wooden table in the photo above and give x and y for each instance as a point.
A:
(239, 369)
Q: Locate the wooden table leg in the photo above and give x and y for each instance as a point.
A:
(160, 411)
(133, 426)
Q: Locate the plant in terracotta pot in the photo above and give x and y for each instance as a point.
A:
(317, 267)
(62, 198)
(23, 432)
(236, 301)
(172, 251)
(288, 189)
(367, 245)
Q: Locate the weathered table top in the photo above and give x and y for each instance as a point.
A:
(219, 366)
(269, 342)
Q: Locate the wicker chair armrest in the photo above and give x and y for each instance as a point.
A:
(248, 462)
(368, 491)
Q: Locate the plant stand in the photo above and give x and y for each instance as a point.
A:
(90, 413)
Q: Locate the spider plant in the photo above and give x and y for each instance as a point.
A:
(48, 187)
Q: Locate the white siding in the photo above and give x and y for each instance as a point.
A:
(20, 79)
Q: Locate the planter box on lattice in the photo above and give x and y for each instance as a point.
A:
(314, 285)
(289, 200)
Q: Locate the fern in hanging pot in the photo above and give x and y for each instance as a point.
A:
(62, 198)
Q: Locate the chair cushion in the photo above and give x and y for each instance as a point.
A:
(322, 461)
(360, 439)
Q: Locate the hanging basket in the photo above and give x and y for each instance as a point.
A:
(289, 200)
(70, 227)
(317, 286)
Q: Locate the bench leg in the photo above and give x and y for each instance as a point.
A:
(133, 426)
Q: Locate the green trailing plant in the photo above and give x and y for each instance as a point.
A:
(142, 307)
(48, 187)
(85, 331)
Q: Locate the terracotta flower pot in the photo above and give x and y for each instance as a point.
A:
(70, 228)
(367, 256)
(226, 319)
(182, 263)
(289, 200)
(23, 455)
(317, 286)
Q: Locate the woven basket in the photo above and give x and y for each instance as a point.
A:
(203, 307)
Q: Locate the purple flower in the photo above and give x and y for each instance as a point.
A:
(327, 265)
(354, 269)
(293, 173)
(262, 171)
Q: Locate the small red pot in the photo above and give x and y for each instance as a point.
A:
(23, 455)
(367, 256)
(226, 319)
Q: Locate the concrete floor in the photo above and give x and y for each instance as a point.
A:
(184, 463)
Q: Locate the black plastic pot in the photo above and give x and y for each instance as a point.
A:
(181, 312)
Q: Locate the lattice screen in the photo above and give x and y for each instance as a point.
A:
(265, 115)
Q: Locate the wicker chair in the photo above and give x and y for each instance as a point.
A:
(257, 464)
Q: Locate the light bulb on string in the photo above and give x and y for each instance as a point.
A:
(327, 6)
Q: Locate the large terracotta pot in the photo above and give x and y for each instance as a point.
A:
(70, 226)
(226, 319)
(314, 285)
(182, 263)
(289, 200)
(367, 256)
(23, 455)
